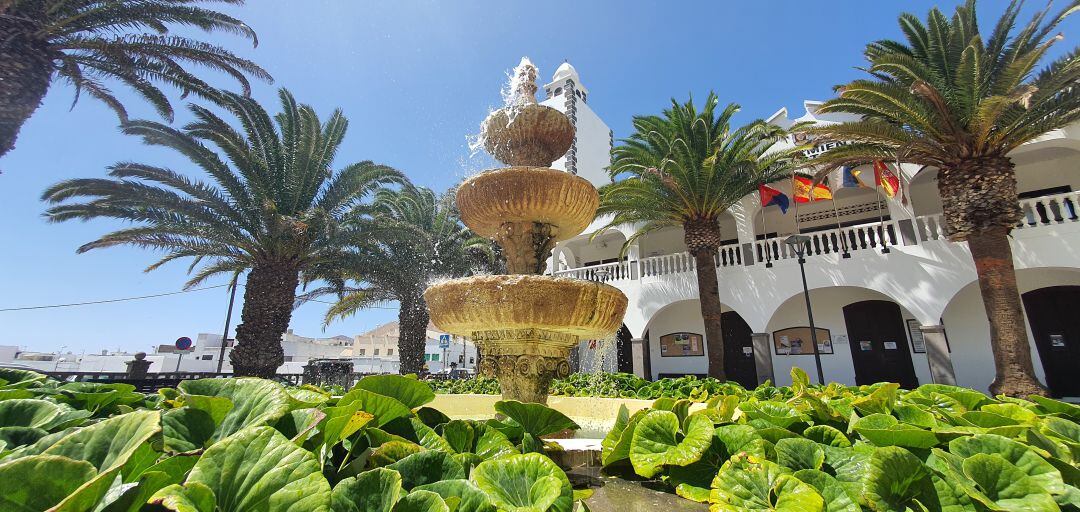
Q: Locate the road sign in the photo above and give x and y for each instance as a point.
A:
(444, 341)
(183, 343)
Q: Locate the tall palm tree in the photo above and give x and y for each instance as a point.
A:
(401, 243)
(274, 211)
(685, 169)
(91, 42)
(953, 99)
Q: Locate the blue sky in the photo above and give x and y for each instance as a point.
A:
(414, 78)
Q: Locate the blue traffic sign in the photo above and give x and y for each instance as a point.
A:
(444, 341)
(183, 343)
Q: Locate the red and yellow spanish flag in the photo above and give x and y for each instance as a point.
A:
(806, 190)
(886, 179)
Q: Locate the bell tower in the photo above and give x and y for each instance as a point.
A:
(590, 154)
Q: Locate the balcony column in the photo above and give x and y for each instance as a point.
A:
(762, 356)
(744, 211)
(639, 353)
(937, 354)
(633, 260)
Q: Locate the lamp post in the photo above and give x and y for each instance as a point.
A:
(228, 319)
(798, 244)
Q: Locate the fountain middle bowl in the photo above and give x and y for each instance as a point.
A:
(472, 305)
(527, 194)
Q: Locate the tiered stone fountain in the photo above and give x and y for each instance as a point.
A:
(525, 324)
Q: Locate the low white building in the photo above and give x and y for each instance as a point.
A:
(892, 298)
(376, 351)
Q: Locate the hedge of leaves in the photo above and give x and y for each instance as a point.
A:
(609, 385)
(238, 445)
(842, 449)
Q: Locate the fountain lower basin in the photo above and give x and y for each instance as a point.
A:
(525, 325)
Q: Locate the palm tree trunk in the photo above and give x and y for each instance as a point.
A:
(412, 322)
(268, 305)
(702, 240)
(25, 70)
(981, 206)
(1015, 373)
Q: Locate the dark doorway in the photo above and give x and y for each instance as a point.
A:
(738, 350)
(1055, 325)
(879, 345)
(624, 355)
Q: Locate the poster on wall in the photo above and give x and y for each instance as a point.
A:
(795, 341)
(918, 344)
(682, 344)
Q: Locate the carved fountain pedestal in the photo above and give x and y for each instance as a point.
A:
(526, 323)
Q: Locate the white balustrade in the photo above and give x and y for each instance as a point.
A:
(1049, 210)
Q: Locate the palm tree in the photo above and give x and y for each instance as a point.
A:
(951, 99)
(90, 42)
(685, 169)
(274, 211)
(399, 245)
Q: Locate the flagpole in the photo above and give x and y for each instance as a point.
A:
(795, 197)
(880, 216)
(843, 238)
(765, 234)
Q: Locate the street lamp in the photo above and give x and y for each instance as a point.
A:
(798, 243)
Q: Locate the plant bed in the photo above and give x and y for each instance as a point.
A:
(836, 448)
(245, 444)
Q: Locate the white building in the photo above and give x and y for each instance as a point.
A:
(376, 351)
(903, 307)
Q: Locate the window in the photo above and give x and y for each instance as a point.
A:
(208, 357)
(362, 351)
(558, 91)
(389, 351)
(434, 357)
(376, 351)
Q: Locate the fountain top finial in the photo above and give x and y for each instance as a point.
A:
(523, 83)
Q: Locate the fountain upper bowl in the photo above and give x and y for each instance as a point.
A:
(527, 194)
(528, 134)
(585, 309)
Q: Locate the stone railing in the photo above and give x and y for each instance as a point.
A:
(1037, 212)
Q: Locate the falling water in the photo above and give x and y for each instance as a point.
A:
(519, 91)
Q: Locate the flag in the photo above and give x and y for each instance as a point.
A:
(771, 196)
(806, 190)
(886, 179)
(850, 178)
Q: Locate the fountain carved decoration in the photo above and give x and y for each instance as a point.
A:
(526, 323)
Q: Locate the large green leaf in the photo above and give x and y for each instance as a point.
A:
(376, 490)
(529, 481)
(536, 419)
(421, 501)
(491, 443)
(28, 413)
(826, 435)
(1003, 486)
(897, 480)
(656, 442)
(383, 408)
(471, 498)
(258, 469)
(342, 421)
(1030, 463)
(38, 482)
(776, 413)
(414, 430)
(619, 449)
(13, 378)
(170, 471)
(406, 390)
(392, 451)
(305, 397)
(836, 497)
(97, 397)
(186, 429)
(255, 402)
(460, 435)
(885, 430)
(108, 444)
(693, 480)
(427, 467)
(748, 484)
(796, 454)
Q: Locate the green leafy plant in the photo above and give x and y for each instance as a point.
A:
(248, 444)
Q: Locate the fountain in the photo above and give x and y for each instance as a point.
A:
(526, 323)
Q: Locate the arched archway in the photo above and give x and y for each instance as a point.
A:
(968, 332)
(677, 345)
(835, 336)
(1055, 330)
(624, 350)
